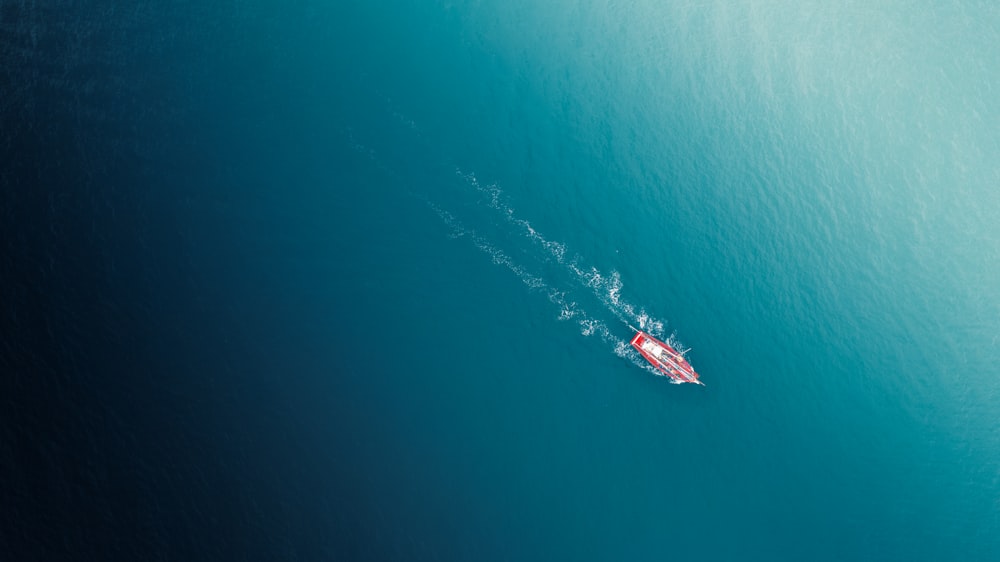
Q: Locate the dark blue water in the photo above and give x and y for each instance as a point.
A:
(303, 281)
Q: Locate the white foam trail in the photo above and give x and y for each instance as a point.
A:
(503, 259)
(589, 326)
(457, 230)
(607, 288)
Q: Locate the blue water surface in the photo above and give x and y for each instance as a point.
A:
(359, 280)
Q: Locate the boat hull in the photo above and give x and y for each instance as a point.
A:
(664, 358)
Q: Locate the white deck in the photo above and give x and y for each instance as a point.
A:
(655, 350)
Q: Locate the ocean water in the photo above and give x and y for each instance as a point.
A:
(353, 281)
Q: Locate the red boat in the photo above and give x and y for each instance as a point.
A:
(666, 359)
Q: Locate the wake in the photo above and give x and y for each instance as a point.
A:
(582, 276)
(606, 287)
(568, 309)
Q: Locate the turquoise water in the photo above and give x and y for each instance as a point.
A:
(404, 244)
(805, 195)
